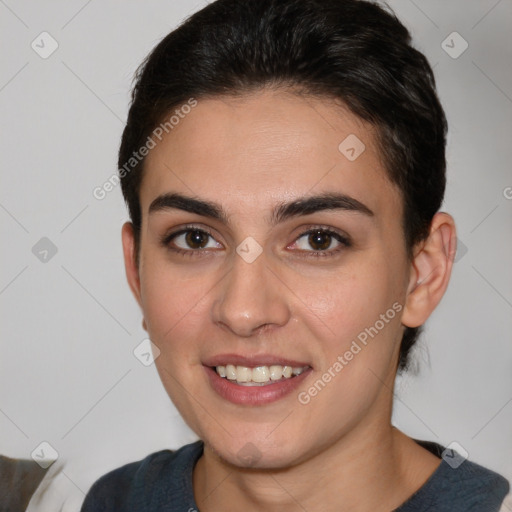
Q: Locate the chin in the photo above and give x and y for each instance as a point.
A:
(252, 452)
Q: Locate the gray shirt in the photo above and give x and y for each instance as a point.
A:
(163, 482)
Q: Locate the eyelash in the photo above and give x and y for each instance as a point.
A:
(167, 239)
(343, 240)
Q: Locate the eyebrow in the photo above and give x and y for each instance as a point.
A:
(283, 211)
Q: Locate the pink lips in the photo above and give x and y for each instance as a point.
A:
(253, 395)
(252, 361)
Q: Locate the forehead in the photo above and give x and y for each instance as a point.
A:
(268, 146)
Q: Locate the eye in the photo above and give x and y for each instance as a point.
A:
(190, 240)
(321, 240)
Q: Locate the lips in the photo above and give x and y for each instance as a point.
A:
(244, 394)
(252, 361)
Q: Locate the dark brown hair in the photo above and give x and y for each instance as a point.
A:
(351, 50)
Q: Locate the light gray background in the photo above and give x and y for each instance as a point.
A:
(68, 375)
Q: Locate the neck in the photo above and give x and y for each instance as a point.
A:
(371, 468)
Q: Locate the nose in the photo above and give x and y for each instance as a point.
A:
(250, 298)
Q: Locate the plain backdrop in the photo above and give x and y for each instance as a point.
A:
(68, 374)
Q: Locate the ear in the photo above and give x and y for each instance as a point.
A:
(130, 260)
(430, 270)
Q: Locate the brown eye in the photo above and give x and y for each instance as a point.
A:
(196, 239)
(190, 240)
(320, 240)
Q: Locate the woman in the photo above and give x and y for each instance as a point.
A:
(284, 165)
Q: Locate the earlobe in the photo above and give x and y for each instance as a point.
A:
(130, 260)
(430, 271)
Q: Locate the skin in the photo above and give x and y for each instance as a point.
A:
(248, 154)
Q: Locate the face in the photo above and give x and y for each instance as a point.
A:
(267, 249)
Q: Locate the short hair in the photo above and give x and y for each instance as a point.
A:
(353, 51)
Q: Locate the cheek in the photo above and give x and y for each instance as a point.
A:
(175, 307)
(358, 338)
(342, 305)
(176, 310)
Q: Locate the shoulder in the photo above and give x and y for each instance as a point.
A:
(119, 488)
(458, 485)
(477, 488)
(142, 485)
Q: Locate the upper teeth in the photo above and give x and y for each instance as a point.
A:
(259, 374)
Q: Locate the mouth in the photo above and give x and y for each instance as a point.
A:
(254, 380)
(259, 375)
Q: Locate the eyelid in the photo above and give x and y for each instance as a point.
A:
(326, 229)
(174, 233)
(344, 240)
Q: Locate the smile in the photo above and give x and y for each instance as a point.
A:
(259, 375)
